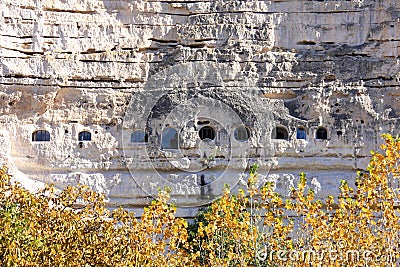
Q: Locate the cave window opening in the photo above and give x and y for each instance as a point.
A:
(139, 136)
(85, 136)
(301, 133)
(242, 133)
(203, 122)
(280, 132)
(321, 134)
(169, 139)
(41, 136)
(207, 133)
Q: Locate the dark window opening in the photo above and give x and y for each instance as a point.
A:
(339, 133)
(85, 136)
(321, 133)
(242, 133)
(301, 133)
(203, 122)
(207, 132)
(41, 136)
(169, 139)
(280, 132)
(139, 136)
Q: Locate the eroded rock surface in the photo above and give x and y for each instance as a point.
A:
(73, 66)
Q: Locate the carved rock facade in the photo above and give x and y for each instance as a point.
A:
(312, 84)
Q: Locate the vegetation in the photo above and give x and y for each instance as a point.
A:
(255, 227)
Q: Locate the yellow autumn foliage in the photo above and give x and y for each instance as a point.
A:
(46, 229)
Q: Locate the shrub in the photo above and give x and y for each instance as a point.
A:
(48, 229)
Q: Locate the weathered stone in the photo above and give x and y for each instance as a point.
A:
(73, 66)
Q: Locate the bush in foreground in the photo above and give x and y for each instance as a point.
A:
(48, 230)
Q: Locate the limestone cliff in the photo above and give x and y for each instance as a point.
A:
(314, 83)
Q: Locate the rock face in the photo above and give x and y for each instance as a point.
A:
(138, 94)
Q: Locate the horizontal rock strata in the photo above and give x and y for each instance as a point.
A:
(331, 68)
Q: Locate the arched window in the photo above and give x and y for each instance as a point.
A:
(207, 132)
(139, 136)
(280, 132)
(301, 133)
(40, 136)
(321, 133)
(242, 133)
(85, 136)
(169, 139)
